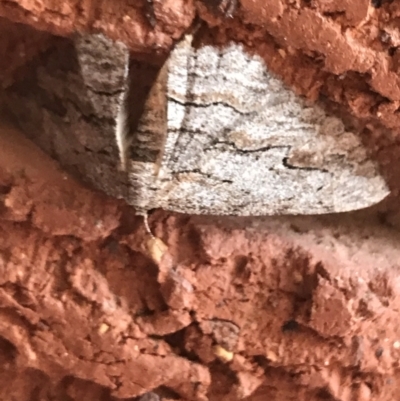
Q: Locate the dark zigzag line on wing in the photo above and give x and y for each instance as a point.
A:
(205, 105)
(232, 144)
(169, 98)
(104, 93)
(285, 161)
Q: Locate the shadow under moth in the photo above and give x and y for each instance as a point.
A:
(217, 134)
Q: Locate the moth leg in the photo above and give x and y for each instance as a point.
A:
(146, 223)
(156, 249)
(225, 7)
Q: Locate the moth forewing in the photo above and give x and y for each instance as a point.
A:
(238, 142)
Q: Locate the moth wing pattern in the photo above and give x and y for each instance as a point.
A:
(219, 134)
(239, 143)
(104, 68)
(74, 107)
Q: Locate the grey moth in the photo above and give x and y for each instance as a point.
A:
(217, 134)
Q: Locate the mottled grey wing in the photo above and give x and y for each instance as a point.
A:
(238, 142)
(70, 103)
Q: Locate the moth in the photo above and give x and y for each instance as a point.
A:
(218, 133)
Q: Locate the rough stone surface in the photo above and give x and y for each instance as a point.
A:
(307, 306)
